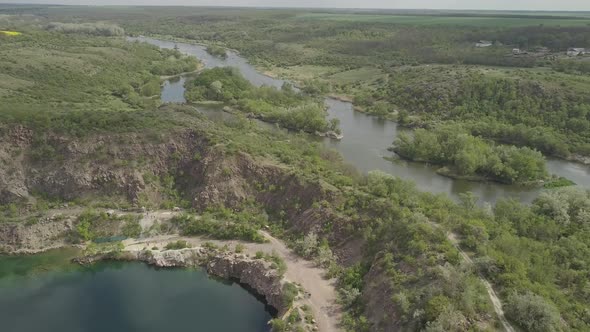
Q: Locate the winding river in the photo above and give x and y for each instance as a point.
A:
(46, 292)
(366, 138)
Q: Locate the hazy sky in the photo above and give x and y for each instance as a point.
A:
(435, 4)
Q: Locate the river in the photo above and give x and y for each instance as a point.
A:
(46, 292)
(366, 138)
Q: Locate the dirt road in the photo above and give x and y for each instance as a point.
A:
(491, 293)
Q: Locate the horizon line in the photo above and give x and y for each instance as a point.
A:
(302, 7)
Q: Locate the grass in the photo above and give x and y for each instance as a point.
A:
(365, 74)
(488, 21)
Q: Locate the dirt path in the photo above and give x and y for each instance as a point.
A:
(491, 293)
(322, 299)
(323, 292)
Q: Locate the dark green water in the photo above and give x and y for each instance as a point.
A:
(47, 293)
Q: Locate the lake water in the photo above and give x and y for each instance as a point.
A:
(366, 138)
(47, 293)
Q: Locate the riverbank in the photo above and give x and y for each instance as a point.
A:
(367, 138)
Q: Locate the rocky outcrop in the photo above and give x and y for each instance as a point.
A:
(103, 165)
(47, 233)
(580, 159)
(256, 274)
(130, 166)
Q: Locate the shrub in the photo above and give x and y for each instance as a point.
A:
(435, 306)
(132, 228)
(278, 325)
(532, 312)
(180, 244)
(290, 292)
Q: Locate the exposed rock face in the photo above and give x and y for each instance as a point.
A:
(117, 165)
(22, 238)
(255, 273)
(580, 159)
(70, 168)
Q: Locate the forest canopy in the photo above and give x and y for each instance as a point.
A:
(284, 106)
(469, 155)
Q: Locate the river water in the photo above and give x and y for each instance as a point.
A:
(47, 293)
(366, 138)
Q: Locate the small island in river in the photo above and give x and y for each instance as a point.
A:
(467, 157)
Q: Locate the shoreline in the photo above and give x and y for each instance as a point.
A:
(315, 292)
(446, 171)
(257, 276)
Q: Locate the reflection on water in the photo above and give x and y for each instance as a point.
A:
(173, 90)
(366, 138)
(121, 297)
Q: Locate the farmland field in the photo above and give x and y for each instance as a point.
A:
(476, 21)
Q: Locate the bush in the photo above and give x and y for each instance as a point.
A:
(290, 292)
(435, 306)
(132, 228)
(239, 248)
(532, 313)
(217, 51)
(180, 244)
(278, 325)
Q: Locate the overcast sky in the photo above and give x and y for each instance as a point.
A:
(434, 4)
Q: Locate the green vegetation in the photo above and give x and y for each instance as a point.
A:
(223, 224)
(278, 325)
(98, 29)
(543, 111)
(424, 63)
(420, 62)
(468, 155)
(217, 51)
(408, 275)
(558, 182)
(290, 292)
(111, 85)
(132, 228)
(285, 106)
(92, 225)
(533, 313)
(450, 18)
(519, 248)
(177, 245)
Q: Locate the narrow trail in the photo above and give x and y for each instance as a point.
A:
(491, 293)
(322, 298)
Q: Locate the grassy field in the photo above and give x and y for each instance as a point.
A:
(476, 21)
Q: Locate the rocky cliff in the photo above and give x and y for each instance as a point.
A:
(255, 274)
(129, 167)
(24, 238)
